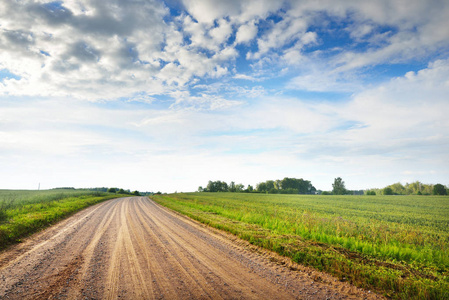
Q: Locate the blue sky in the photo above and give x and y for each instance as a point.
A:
(166, 95)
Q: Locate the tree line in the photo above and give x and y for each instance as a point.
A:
(301, 186)
(414, 188)
(284, 186)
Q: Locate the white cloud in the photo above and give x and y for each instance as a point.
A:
(238, 11)
(399, 126)
(96, 50)
(246, 33)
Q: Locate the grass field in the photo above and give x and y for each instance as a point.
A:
(25, 212)
(395, 245)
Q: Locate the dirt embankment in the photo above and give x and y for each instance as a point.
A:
(132, 248)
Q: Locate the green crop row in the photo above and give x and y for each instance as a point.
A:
(396, 245)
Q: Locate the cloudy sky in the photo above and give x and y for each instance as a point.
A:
(166, 95)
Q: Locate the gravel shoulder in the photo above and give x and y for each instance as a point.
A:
(133, 248)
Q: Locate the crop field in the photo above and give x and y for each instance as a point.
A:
(395, 245)
(25, 212)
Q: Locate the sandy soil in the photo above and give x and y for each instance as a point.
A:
(132, 248)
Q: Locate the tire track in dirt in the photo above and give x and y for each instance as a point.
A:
(132, 248)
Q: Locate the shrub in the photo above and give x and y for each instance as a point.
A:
(388, 191)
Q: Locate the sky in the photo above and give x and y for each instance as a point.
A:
(164, 96)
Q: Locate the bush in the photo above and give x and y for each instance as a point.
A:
(388, 191)
(439, 189)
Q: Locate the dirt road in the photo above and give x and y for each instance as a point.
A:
(132, 248)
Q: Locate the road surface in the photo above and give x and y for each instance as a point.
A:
(132, 248)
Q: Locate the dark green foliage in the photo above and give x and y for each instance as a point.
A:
(388, 191)
(112, 190)
(286, 186)
(439, 189)
(338, 187)
(216, 186)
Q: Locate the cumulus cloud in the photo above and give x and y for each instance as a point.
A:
(98, 50)
(246, 33)
(396, 127)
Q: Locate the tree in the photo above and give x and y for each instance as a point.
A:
(232, 187)
(439, 189)
(136, 193)
(216, 186)
(239, 187)
(261, 187)
(338, 187)
(388, 191)
(112, 190)
(271, 186)
(398, 188)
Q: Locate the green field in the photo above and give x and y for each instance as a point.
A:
(25, 212)
(395, 245)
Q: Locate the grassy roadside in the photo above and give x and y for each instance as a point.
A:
(397, 246)
(25, 212)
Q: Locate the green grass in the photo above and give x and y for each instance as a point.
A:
(395, 245)
(25, 212)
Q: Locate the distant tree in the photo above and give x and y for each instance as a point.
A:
(222, 186)
(232, 187)
(239, 187)
(261, 187)
(413, 188)
(338, 187)
(326, 193)
(371, 193)
(211, 187)
(398, 189)
(200, 189)
(136, 193)
(278, 184)
(112, 190)
(249, 189)
(121, 191)
(270, 185)
(388, 191)
(439, 189)
(286, 186)
(217, 186)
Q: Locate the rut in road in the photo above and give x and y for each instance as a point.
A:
(132, 248)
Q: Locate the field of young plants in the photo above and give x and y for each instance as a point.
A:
(25, 212)
(395, 245)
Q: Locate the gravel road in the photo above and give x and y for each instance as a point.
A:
(132, 248)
